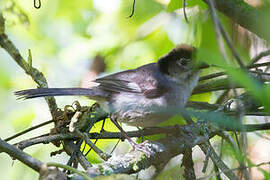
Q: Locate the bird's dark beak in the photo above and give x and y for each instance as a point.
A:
(202, 65)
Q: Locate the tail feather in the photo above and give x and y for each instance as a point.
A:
(93, 93)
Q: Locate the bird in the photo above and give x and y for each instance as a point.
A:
(141, 97)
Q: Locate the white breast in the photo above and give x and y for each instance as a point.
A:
(137, 110)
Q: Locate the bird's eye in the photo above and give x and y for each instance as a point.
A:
(183, 62)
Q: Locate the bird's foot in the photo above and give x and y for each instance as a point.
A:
(143, 147)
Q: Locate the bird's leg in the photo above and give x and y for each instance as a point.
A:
(140, 147)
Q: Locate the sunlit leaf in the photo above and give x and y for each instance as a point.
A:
(177, 4)
(144, 10)
(205, 97)
(104, 144)
(174, 4)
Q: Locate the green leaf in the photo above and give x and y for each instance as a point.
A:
(144, 10)
(174, 4)
(265, 173)
(205, 97)
(177, 4)
(218, 118)
(103, 144)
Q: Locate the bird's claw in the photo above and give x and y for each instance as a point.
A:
(143, 147)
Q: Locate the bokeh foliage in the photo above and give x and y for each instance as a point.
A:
(64, 36)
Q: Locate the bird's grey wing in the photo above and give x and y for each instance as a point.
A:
(117, 85)
(146, 80)
(150, 88)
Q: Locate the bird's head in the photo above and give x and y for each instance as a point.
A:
(180, 62)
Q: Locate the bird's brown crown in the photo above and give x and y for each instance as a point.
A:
(182, 51)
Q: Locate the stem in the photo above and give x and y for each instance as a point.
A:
(84, 175)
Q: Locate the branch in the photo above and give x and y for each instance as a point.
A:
(21, 156)
(208, 149)
(259, 56)
(218, 74)
(259, 65)
(118, 135)
(213, 107)
(36, 75)
(83, 174)
(87, 140)
(223, 83)
(70, 148)
(44, 140)
(161, 151)
(215, 85)
(188, 163)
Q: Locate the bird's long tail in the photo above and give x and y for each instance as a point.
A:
(93, 93)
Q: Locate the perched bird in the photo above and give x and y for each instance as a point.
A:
(144, 96)
(139, 97)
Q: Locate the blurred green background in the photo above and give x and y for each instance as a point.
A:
(65, 36)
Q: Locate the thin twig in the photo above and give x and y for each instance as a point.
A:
(114, 147)
(211, 76)
(221, 29)
(231, 46)
(235, 169)
(262, 136)
(217, 30)
(258, 65)
(133, 9)
(206, 161)
(259, 56)
(74, 153)
(243, 137)
(217, 172)
(45, 140)
(251, 18)
(90, 147)
(220, 164)
(87, 140)
(101, 154)
(37, 4)
(184, 10)
(221, 84)
(69, 168)
(227, 137)
(70, 147)
(236, 148)
(36, 75)
(27, 130)
(218, 74)
(101, 130)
